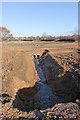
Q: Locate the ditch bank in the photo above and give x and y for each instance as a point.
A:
(63, 84)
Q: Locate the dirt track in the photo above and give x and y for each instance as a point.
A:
(19, 74)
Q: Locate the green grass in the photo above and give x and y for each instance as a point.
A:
(23, 42)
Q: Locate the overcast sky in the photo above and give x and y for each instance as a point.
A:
(35, 18)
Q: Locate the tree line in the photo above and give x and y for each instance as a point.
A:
(6, 35)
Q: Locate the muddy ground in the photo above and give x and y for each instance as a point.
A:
(60, 65)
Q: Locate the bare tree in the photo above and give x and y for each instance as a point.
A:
(44, 35)
(5, 33)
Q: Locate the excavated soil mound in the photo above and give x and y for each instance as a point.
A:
(63, 81)
(18, 71)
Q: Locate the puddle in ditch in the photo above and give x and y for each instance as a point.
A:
(45, 92)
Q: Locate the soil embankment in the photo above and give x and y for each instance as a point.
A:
(61, 76)
(18, 71)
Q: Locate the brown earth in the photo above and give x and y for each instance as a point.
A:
(19, 80)
(62, 74)
(18, 71)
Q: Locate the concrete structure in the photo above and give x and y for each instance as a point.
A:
(36, 56)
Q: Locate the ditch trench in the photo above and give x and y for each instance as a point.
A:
(40, 96)
(45, 92)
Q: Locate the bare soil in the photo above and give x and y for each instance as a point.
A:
(60, 66)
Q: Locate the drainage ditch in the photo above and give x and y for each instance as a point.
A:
(47, 98)
(40, 96)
